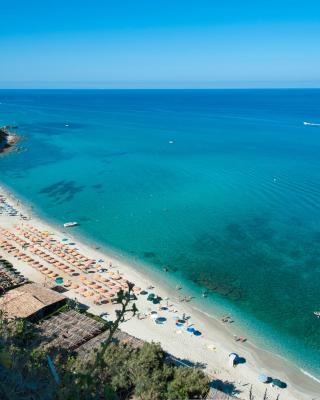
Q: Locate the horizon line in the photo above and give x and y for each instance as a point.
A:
(165, 88)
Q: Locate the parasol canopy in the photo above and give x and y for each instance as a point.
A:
(263, 378)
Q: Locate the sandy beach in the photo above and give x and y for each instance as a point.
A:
(210, 349)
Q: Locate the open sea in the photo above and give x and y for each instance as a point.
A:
(220, 186)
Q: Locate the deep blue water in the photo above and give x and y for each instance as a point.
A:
(222, 186)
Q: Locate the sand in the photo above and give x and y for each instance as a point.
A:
(210, 350)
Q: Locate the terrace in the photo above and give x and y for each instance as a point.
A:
(68, 330)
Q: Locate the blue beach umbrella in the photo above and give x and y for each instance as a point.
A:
(197, 333)
(263, 378)
(280, 384)
(190, 329)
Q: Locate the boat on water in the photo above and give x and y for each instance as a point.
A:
(317, 313)
(310, 123)
(70, 224)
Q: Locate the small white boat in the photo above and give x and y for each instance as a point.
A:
(70, 224)
(310, 123)
(317, 313)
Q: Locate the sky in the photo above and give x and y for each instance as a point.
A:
(159, 44)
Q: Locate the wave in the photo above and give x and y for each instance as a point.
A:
(309, 375)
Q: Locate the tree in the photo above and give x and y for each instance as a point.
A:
(23, 373)
(188, 383)
(93, 379)
(123, 299)
(150, 374)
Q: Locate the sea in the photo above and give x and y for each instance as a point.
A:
(220, 188)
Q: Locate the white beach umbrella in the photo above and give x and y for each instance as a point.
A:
(232, 358)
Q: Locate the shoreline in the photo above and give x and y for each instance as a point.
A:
(180, 344)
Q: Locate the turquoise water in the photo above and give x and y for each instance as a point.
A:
(220, 186)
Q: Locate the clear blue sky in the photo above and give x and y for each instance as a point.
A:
(149, 43)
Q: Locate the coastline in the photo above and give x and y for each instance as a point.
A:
(182, 345)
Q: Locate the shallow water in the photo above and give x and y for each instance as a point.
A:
(220, 186)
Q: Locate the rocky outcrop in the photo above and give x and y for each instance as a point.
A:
(7, 139)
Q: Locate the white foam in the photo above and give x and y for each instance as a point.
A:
(309, 375)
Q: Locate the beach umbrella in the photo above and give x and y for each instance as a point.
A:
(74, 286)
(280, 384)
(232, 359)
(263, 378)
(197, 333)
(97, 299)
(151, 296)
(190, 329)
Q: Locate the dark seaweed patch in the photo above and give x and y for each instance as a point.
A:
(62, 191)
(236, 232)
(149, 254)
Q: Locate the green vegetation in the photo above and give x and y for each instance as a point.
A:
(115, 371)
(141, 373)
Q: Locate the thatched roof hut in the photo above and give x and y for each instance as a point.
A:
(30, 301)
